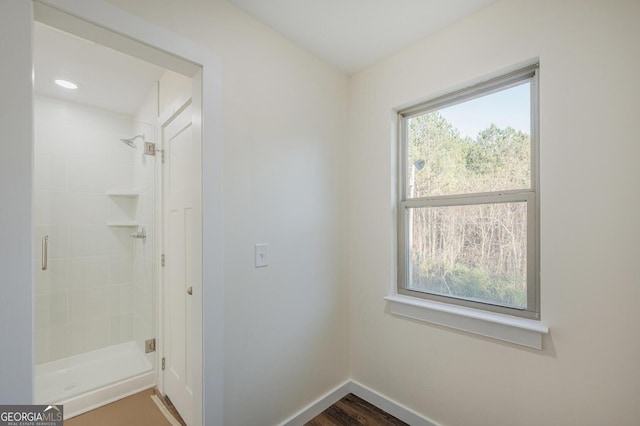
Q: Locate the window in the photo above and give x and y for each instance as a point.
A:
(468, 225)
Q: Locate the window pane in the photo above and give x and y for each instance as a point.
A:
(476, 252)
(481, 145)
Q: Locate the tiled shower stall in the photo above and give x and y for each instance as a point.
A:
(95, 299)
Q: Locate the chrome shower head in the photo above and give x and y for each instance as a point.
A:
(130, 143)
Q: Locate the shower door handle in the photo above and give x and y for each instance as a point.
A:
(190, 291)
(45, 254)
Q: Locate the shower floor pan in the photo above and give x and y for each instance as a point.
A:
(92, 379)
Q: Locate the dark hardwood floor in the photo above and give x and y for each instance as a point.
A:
(352, 410)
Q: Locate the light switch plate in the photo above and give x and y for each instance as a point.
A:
(261, 255)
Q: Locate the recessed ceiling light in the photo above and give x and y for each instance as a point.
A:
(66, 84)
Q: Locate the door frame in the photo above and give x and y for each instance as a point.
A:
(113, 27)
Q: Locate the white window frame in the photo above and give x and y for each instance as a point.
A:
(529, 195)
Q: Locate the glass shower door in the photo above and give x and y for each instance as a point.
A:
(94, 275)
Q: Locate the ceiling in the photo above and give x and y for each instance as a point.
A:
(353, 34)
(350, 34)
(106, 78)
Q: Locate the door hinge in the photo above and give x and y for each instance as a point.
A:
(163, 363)
(162, 260)
(150, 345)
(151, 149)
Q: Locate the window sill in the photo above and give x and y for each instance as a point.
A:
(520, 331)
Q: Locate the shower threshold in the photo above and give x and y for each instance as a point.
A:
(89, 380)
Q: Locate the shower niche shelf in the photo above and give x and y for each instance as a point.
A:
(123, 223)
(128, 193)
(123, 207)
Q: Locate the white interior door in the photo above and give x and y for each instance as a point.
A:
(178, 271)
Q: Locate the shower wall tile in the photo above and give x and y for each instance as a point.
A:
(78, 338)
(54, 279)
(51, 207)
(120, 328)
(120, 299)
(78, 306)
(58, 243)
(97, 304)
(85, 209)
(50, 173)
(120, 270)
(85, 144)
(146, 207)
(88, 272)
(144, 171)
(145, 250)
(119, 153)
(138, 333)
(88, 176)
(42, 280)
(143, 274)
(99, 240)
(62, 207)
(51, 310)
(43, 311)
(97, 333)
(66, 340)
(50, 138)
(60, 342)
(53, 112)
(143, 302)
(58, 308)
(119, 177)
(143, 329)
(42, 343)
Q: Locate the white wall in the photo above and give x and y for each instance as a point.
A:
(174, 90)
(16, 151)
(284, 128)
(588, 371)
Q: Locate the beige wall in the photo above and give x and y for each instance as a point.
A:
(588, 371)
(285, 168)
(284, 128)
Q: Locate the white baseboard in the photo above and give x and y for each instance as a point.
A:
(91, 400)
(315, 408)
(390, 406)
